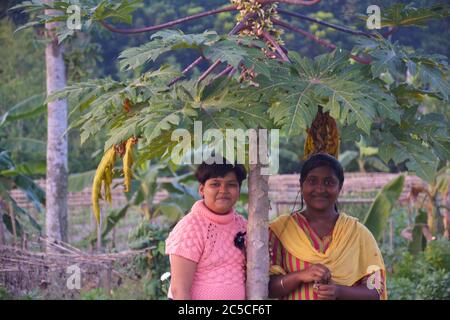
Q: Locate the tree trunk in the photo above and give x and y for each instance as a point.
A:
(57, 164)
(257, 235)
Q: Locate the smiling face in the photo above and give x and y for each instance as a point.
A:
(321, 189)
(220, 193)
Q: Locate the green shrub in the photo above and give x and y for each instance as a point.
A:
(424, 276)
(437, 254)
(4, 294)
(401, 289)
(151, 266)
(94, 294)
(434, 286)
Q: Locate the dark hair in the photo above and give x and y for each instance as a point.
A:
(322, 160)
(207, 171)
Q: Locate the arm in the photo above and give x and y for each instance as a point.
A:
(282, 285)
(182, 272)
(290, 282)
(359, 291)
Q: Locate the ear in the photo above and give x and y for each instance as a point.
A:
(201, 189)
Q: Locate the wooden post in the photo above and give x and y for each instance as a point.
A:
(13, 223)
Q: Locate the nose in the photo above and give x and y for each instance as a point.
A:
(223, 188)
(320, 187)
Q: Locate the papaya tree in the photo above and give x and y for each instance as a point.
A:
(250, 80)
(56, 219)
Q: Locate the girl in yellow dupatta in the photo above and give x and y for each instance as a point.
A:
(319, 253)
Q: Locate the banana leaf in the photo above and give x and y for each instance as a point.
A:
(378, 214)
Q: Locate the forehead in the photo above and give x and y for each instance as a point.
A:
(230, 176)
(322, 172)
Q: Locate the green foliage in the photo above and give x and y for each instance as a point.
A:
(90, 12)
(22, 110)
(297, 89)
(290, 92)
(375, 99)
(420, 140)
(434, 286)
(4, 295)
(399, 15)
(12, 177)
(401, 289)
(153, 265)
(418, 243)
(165, 41)
(414, 277)
(437, 254)
(378, 214)
(94, 294)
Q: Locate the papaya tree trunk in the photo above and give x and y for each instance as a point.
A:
(57, 160)
(257, 235)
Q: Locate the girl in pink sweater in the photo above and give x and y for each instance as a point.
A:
(207, 246)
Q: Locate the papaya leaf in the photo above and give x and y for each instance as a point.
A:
(406, 15)
(164, 41)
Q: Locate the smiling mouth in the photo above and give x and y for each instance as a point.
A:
(320, 198)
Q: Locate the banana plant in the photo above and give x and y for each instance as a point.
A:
(18, 220)
(377, 217)
(430, 212)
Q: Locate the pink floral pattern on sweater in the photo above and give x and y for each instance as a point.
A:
(208, 239)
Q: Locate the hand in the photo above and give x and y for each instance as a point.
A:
(327, 291)
(316, 272)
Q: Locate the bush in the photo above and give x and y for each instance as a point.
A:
(424, 276)
(4, 294)
(155, 263)
(437, 254)
(434, 286)
(95, 294)
(400, 289)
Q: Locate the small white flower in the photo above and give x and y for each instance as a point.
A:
(165, 276)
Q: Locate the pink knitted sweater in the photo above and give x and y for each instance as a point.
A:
(208, 239)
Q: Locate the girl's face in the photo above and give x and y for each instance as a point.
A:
(221, 193)
(320, 189)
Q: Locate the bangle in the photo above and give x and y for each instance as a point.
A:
(282, 285)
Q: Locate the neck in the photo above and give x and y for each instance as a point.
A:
(320, 215)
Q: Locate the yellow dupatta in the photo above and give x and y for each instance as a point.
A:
(352, 254)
